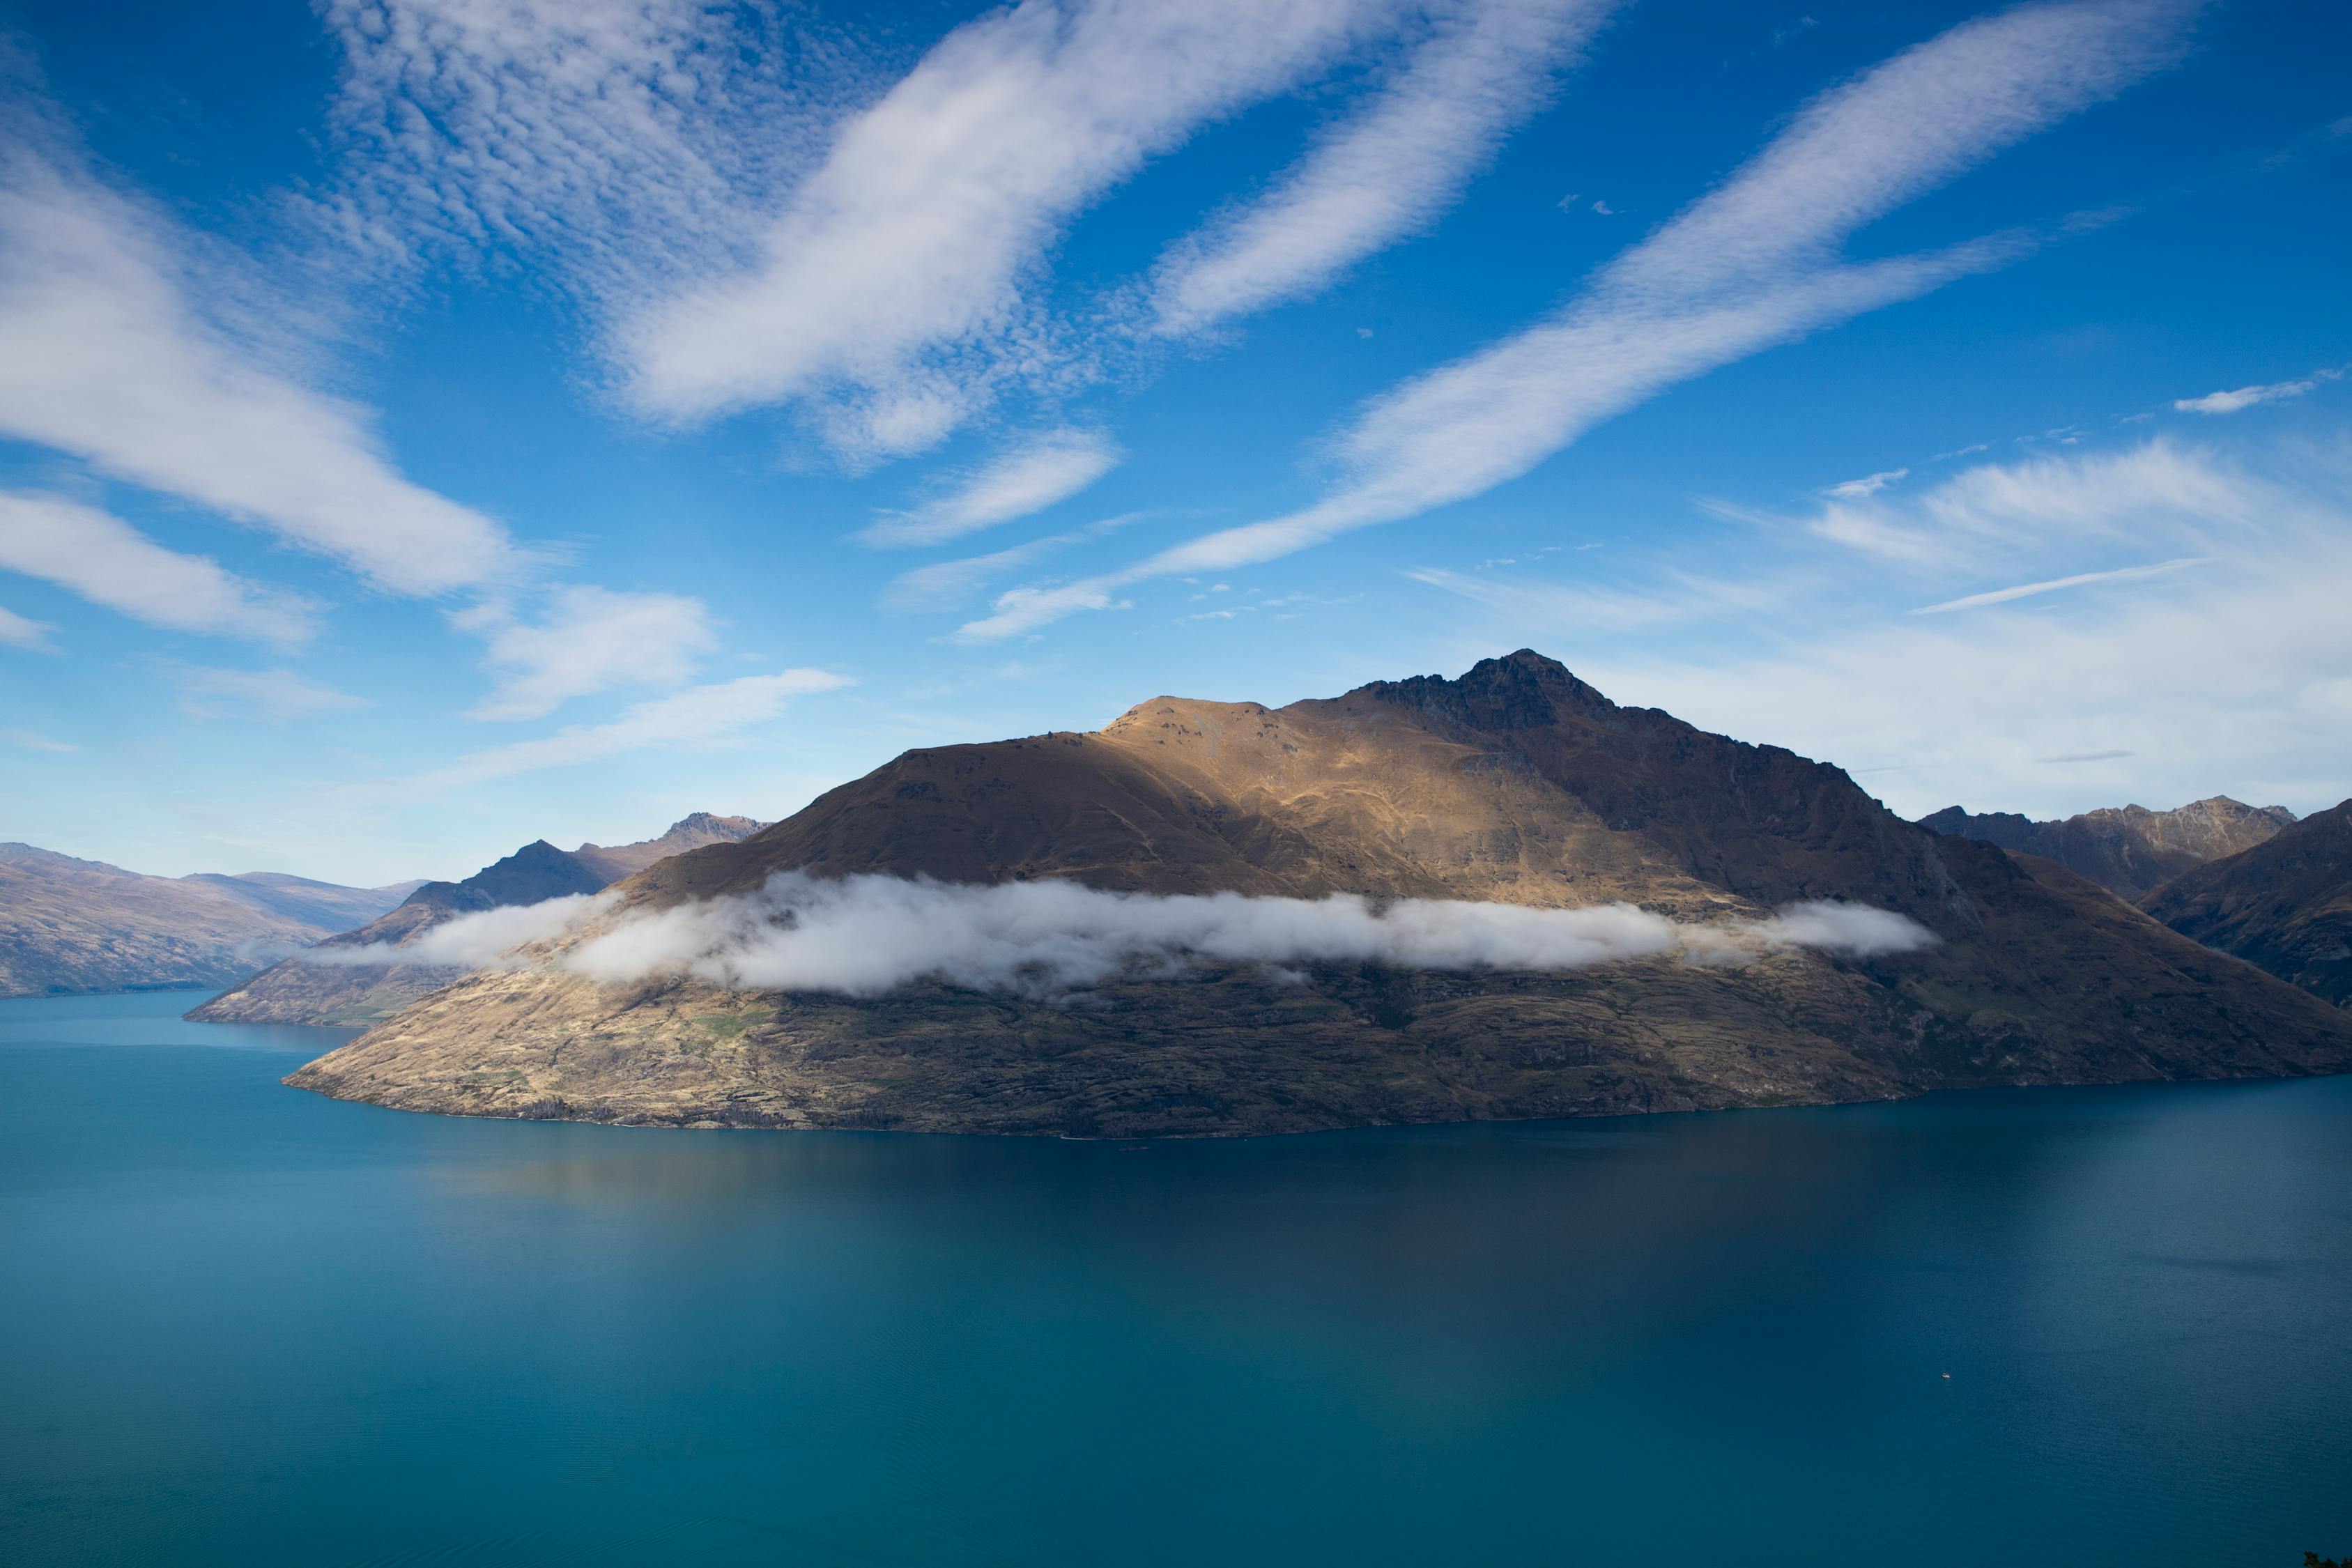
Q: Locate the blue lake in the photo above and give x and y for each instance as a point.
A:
(246, 1325)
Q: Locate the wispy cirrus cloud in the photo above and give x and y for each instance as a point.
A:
(1673, 598)
(1041, 472)
(2217, 667)
(1386, 171)
(20, 631)
(697, 715)
(2223, 680)
(2155, 490)
(890, 291)
(106, 560)
(1868, 485)
(107, 353)
(2246, 397)
(951, 584)
(2060, 584)
(1755, 263)
(588, 640)
(275, 696)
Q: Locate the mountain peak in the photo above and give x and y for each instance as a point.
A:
(2283, 905)
(297, 993)
(1522, 690)
(2130, 851)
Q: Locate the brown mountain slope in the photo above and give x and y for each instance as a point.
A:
(2285, 905)
(309, 989)
(72, 925)
(2130, 849)
(1517, 785)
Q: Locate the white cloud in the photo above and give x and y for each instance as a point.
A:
(2146, 491)
(1386, 171)
(628, 141)
(109, 563)
(867, 935)
(1854, 490)
(892, 286)
(278, 696)
(947, 584)
(1038, 474)
(105, 354)
(32, 742)
(1753, 264)
(697, 714)
(1019, 611)
(2150, 680)
(1678, 600)
(482, 939)
(2223, 682)
(2057, 584)
(864, 936)
(18, 631)
(2247, 396)
(1854, 929)
(590, 640)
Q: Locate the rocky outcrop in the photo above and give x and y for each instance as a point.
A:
(2285, 906)
(2128, 850)
(1516, 784)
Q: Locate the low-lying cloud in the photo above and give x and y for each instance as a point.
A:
(483, 939)
(864, 936)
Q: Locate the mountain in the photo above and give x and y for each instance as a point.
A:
(2285, 906)
(72, 925)
(1516, 784)
(688, 833)
(2128, 850)
(313, 989)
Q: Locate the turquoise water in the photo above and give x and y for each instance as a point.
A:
(247, 1325)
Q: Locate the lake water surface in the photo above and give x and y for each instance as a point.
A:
(241, 1324)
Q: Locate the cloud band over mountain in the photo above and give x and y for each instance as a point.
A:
(864, 936)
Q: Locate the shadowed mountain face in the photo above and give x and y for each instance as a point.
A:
(2285, 906)
(1516, 784)
(308, 991)
(70, 925)
(2128, 850)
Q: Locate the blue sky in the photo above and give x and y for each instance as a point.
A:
(430, 425)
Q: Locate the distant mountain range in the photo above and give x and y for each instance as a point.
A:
(2128, 850)
(2249, 880)
(70, 925)
(314, 988)
(1516, 785)
(2285, 905)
